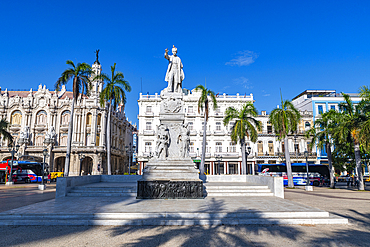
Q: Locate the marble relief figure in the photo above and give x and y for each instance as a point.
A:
(162, 142)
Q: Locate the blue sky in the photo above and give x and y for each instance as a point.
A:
(238, 46)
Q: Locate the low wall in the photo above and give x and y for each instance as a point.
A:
(65, 184)
(275, 184)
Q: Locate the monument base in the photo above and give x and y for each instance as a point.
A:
(170, 189)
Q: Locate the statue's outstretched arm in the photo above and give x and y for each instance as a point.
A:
(166, 55)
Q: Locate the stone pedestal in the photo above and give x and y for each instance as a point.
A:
(171, 174)
(42, 186)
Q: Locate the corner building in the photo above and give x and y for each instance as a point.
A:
(39, 119)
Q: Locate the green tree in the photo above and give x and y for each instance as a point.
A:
(81, 83)
(245, 125)
(364, 134)
(352, 119)
(113, 94)
(203, 103)
(321, 133)
(3, 130)
(284, 121)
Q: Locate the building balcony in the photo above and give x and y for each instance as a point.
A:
(40, 127)
(208, 133)
(148, 132)
(149, 113)
(193, 132)
(219, 133)
(15, 127)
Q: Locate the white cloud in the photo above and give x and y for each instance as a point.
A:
(243, 58)
(265, 94)
(244, 82)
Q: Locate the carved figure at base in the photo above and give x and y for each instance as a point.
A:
(163, 138)
(184, 141)
(175, 74)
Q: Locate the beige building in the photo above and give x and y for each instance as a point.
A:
(39, 119)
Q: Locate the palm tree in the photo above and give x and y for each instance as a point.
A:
(203, 103)
(113, 94)
(3, 130)
(81, 83)
(352, 120)
(321, 133)
(244, 126)
(364, 134)
(284, 121)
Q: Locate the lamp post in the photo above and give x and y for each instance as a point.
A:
(247, 152)
(81, 158)
(295, 149)
(129, 150)
(218, 166)
(42, 186)
(308, 187)
(12, 150)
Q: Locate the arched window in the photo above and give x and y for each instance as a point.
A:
(63, 139)
(16, 118)
(65, 117)
(99, 119)
(89, 119)
(39, 140)
(307, 124)
(41, 117)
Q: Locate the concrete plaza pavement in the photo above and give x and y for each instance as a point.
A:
(342, 202)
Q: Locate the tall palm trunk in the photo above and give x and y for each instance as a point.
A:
(69, 140)
(109, 140)
(331, 167)
(358, 166)
(288, 164)
(201, 167)
(244, 165)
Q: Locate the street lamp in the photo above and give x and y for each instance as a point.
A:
(130, 150)
(295, 145)
(81, 157)
(13, 150)
(42, 186)
(219, 160)
(308, 178)
(247, 152)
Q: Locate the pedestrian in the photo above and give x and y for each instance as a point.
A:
(49, 178)
(347, 180)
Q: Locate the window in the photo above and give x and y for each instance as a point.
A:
(148, 125)
(296, 148)
(41, 117)
(149, 109)
(271, 148)
(332, 107)
(203, 126)
(190, 109)
(269, 129)
(89, 119)
(39, 140)
(191, 125)
(63, 139)
(191, 147)
(232, 147)
(16, 118)
(307, 124)
(260, 148)
(148, 147)
(99, 119)
(218, 126)
(218, 147)
(320, 109)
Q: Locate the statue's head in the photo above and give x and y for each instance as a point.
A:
(174, 50)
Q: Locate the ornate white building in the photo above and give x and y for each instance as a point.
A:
(221, 153)
(36, 116)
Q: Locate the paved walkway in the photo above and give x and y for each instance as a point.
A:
(352, 204)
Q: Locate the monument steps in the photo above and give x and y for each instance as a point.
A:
(105, 189)
(121, 219)
(235, 189)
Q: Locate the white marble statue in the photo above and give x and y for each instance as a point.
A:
(162, 142)
(25, 134)
(175, 74)
(51, 133)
